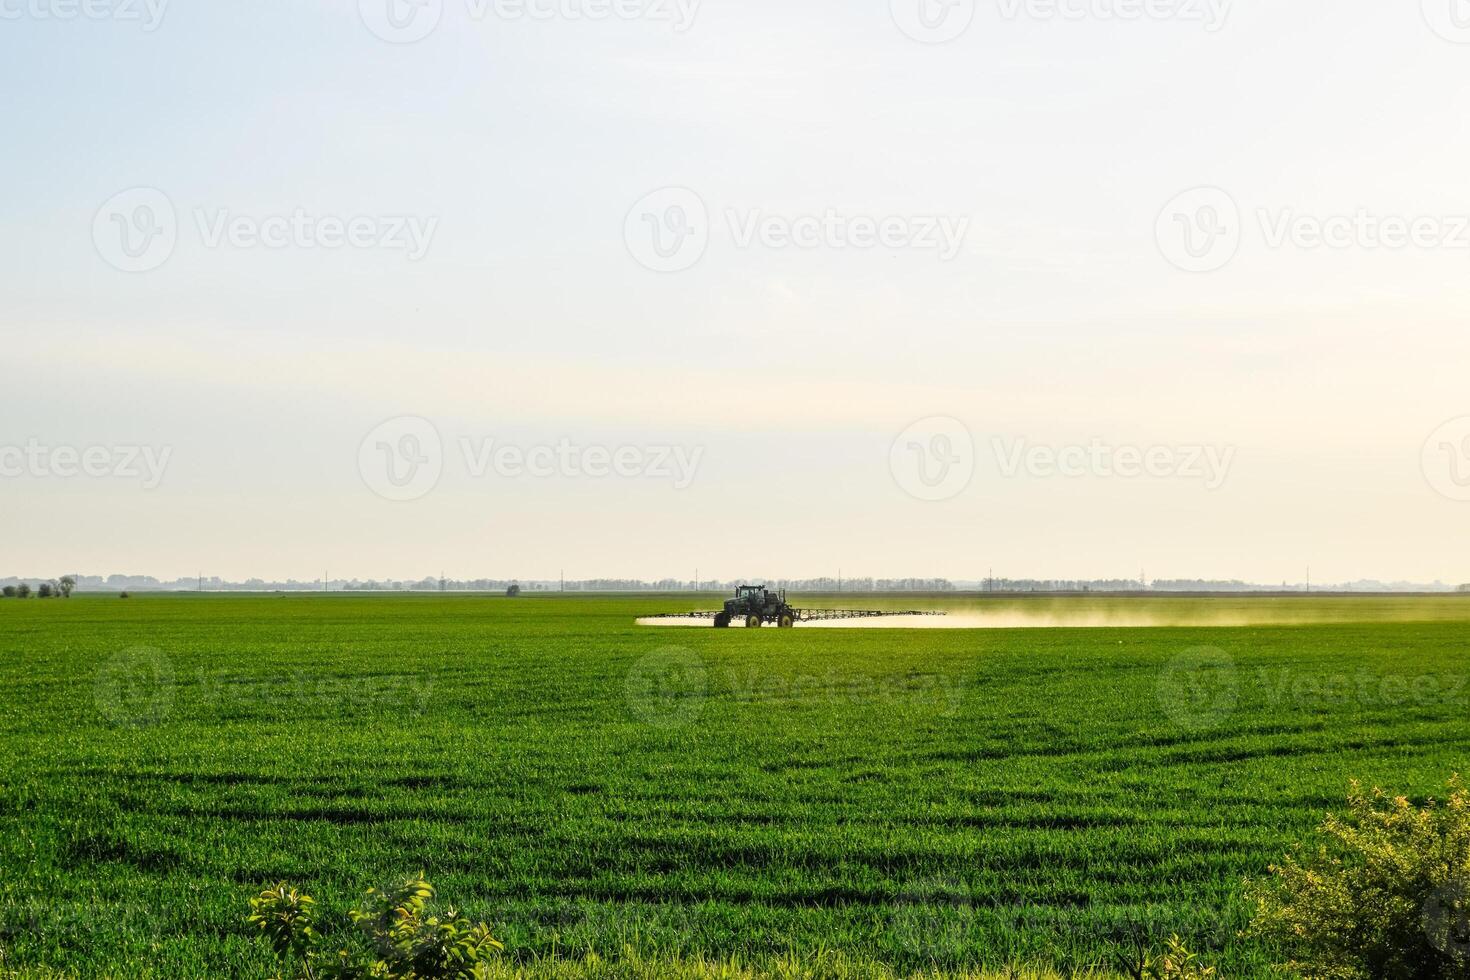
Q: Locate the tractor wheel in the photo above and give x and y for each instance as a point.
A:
(787, 621)
(722, 621)
(752, 622)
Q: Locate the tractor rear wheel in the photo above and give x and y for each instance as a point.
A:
(787, 621)
(722, 621)
(752, 622)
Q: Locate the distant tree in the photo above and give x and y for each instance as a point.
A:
(44, 591)
(23, 590)
(513, 591)
(124, 595)
(8, 592)
(66, 585)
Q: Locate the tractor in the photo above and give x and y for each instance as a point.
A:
(757, 605)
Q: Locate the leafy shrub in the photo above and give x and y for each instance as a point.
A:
(124, 595)
(402, 940)
(8, 592)
(1385, 895)
(23, 591)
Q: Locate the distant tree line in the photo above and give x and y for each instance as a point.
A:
(61, 587)
(12, 588)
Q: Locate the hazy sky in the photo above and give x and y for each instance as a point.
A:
(1092, 285)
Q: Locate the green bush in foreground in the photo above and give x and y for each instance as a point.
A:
(404, 942)
(1175, 962)
(828, 965)
(1385, 896)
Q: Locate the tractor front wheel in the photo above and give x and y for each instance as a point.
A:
(752, 622)
(787, 621)
(722, 621)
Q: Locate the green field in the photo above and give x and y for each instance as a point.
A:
(968, 797)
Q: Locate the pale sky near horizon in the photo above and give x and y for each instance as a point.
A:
(528, 155)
